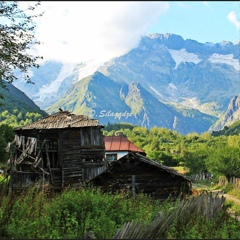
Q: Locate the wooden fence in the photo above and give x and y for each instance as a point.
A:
(223, 181)
(206, 204)
(202, 176)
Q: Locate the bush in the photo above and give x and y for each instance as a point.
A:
(74, 213)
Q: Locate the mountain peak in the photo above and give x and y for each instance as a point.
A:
(167, 36)
(163, 71)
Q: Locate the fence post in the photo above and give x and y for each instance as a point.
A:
(133, 185)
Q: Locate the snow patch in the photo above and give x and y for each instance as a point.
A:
(83, 70)
(191, 102)
(227, 59)
(172, 86)
(183, 56)
(45, 90)
(88, 68)
(209, 44)
(156, 91)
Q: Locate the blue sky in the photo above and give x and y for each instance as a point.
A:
(201, 21)
(78, 31)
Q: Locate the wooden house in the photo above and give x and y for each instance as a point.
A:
(139, 174)
(62, 149)
(118, 146)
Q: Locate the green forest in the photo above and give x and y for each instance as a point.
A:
(8, 121)
(75, 213)
(87, 212)
(218, 154)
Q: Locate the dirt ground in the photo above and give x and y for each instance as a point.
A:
(232, 198)
(204, 186)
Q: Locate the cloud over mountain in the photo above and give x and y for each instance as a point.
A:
(81, 31)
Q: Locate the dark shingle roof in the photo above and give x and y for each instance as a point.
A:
(144, 159)
(62, 119)
(159, 165)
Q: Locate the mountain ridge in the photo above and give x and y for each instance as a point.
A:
(178, 74)
(231, 116)
(13, 98)
(120, 102)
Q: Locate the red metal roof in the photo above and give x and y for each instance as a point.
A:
(120, 143)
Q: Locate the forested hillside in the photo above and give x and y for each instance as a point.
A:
(197, 153)
(16, 108)
(165, 81)
(218, 153)
(169, 90)
(234, 129)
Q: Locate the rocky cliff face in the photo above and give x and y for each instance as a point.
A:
(166, 82)
(230, 116)
(201, 76)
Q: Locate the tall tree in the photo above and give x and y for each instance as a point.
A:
(225, 161)
(17, 36)
(195, 160)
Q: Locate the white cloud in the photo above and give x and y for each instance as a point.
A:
(206, 3)
(79, 31)
(232, 17)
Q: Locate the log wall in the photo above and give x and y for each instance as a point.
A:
(68, 156)
(149, 179)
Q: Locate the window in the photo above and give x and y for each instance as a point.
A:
(51, 154)
(111, 157)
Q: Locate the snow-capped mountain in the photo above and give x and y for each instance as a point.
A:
(53, 79)
(183, 75)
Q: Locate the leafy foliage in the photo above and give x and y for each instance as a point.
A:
(74, 213)
(71, 214)
(225, 160)
(19, 119)
(6, 135)
(117, 127)
(197, 153)
(8, 121)
(16, 38)
(234, 129)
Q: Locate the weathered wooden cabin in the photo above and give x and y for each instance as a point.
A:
(62, 149)
(139, 174)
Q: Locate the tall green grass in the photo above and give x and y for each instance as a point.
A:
(76, 212)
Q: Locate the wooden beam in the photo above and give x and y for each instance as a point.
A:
(133, 185)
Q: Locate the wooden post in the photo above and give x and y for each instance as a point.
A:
(133, 185)
(49, 165)
(11, 174)
(43, 182)
(62, 178)
(12, 154)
